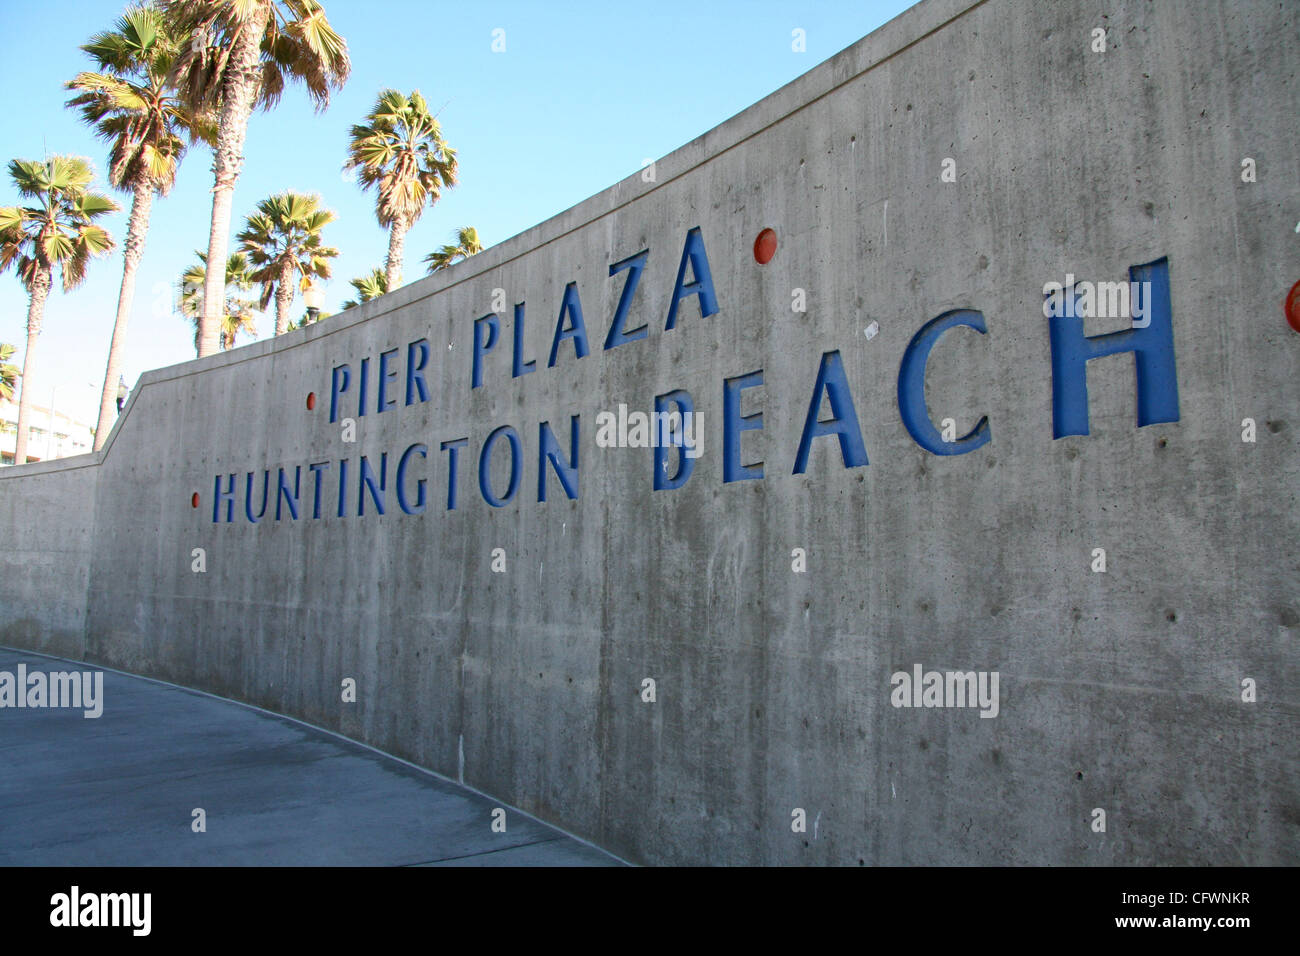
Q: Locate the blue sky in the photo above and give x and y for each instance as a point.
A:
(583, 93)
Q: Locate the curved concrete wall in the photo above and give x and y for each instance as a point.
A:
(776, 614)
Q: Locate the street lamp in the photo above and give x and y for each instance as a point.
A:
(314, 296)
(121, 393)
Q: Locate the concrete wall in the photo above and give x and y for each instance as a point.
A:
(47, 513)
(1118, 690)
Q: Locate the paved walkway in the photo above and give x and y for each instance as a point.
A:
(119, 790)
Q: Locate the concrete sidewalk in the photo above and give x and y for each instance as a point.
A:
(120, 790)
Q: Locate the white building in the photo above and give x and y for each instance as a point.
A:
(47, 437)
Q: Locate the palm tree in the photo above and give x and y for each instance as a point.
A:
(131, 107)
(283, 242)
(239, 57)
(369, 286)
(238, 313)
(467, 244)
(400, 151)
(9, 374)
(57, 230)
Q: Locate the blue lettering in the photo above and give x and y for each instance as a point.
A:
(317, 468)
(685, 463)
(733, 423)
(484, 463)
(1152, 348)
(368, 483)
(634, 265)
(385, 376)
(911, 387)
(361, 390)
(343, 486)
(227, 496)
(283, 494)
(452, 448)
(339, 382)
(693, 253)
(414, 372)
(571, 306)
(567, 472)
(483, 345)
(843, 421)
(248, 496)
(402, 500)
(518, 365)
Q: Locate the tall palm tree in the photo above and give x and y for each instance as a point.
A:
(400, 151)
(369, 286)
(238, 313)
(284, 247)
(57, 230)
(241, 52)
(467, 244)
(130, 106)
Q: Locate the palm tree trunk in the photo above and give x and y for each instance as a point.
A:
(238, 94)
(396, 245)
(136, 230)
(283, 298)
(35, 314)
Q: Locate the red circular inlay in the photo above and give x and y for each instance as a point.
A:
(765, 246)
(194, 500)
(1293, 307)
(311, 400)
